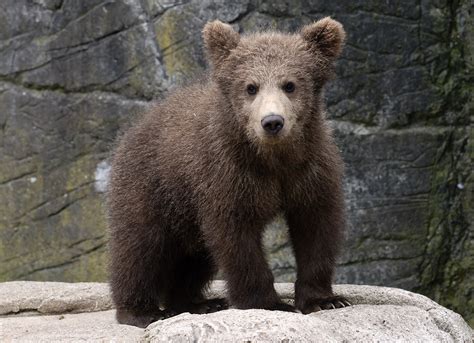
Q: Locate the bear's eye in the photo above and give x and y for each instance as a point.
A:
(252, 89)
(289, 87)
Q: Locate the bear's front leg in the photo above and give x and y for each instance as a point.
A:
(237, 249)
(316, 234)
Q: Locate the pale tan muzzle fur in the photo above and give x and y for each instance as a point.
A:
(271, 100)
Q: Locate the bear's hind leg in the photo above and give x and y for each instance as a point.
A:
(139, 271)
(192, 274)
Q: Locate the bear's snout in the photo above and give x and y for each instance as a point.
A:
(273, 123)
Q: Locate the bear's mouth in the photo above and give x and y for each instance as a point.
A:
(272, 139)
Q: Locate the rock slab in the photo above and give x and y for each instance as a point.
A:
(88, 326)
(53, 297)
(378, 314)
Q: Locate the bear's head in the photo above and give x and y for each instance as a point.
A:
(273, 81)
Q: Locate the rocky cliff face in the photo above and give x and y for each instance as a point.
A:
(73, 72)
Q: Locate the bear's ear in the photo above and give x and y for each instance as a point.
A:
(219, 39)
(325, 36)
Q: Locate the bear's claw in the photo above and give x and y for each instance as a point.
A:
(315, 305)
(210, 306)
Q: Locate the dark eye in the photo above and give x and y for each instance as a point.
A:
(289, 87)
(252, 89)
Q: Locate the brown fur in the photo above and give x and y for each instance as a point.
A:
(193, 183)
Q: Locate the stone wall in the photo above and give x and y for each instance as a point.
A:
(73, 72)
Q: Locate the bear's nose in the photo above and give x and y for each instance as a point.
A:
(273, 123)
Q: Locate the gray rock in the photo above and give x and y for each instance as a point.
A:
(360, 323)
(53, 146)
(378, 314)
(53, 297)
(85, 327)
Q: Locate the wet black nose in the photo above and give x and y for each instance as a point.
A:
(273, 123)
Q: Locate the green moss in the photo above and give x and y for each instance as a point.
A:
(90, 267)
(448, 264)
(447, 272)
(449, 261)
(175, 44)
(64, 238)
(86, 216)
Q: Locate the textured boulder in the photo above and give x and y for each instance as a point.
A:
(360, 323)
(72, 73)
(377, 314)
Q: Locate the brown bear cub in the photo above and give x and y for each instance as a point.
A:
(194, 182)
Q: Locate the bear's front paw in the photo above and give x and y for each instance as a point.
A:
(210, 306)
(318, 304)
(142, 320)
